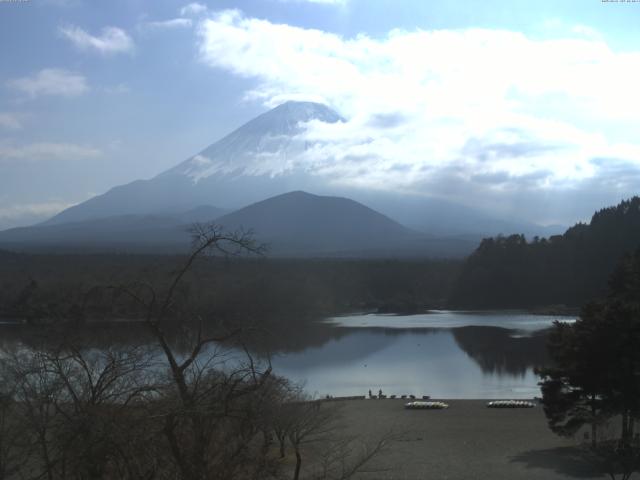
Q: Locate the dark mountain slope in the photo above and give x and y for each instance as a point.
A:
(296, 224)
(302, 223)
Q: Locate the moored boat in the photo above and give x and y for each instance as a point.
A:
(510, 404)
(420, 405)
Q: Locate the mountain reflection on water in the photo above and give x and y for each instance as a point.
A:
(465, 356)
(446, 354)
(497, 350)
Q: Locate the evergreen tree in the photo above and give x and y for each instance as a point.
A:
(569, 269)
(596, 361)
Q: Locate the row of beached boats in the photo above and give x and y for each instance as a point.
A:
(426, 405)
(393, 397)
(510, 404)
(421, 405)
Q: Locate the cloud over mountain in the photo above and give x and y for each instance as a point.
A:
(445, 109)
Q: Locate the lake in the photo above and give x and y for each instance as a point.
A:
(444, 354)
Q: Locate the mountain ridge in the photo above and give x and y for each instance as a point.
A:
(265, 157)
(294, 224)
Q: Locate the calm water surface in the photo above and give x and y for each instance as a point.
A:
(443, 354)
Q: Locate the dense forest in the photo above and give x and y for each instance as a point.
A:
(61, 288)
(504, 272)
(568, 269)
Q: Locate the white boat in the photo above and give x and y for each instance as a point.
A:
(418, 405)
(510, 404)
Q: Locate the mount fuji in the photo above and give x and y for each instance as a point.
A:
(263, 159)
(254, 162)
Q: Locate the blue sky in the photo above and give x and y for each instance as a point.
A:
(515, 107)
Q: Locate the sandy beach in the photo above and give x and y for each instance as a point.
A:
(466, 441)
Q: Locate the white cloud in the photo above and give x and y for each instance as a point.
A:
(31, 210)
(10, 121)
(586, 31)
(51, 81)
(44, 151)
(535, 111)
(168, 24)
(193, 9)
(112, 40)
(555, 27)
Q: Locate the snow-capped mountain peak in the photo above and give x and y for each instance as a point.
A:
(268, 145)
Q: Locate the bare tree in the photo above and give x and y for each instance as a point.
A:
(35, 393)
(76, 408)
(315, 427)
(202, 407)
(308, 424)
(12, 458)
(207, 410)
(100, 391)
(343, 458)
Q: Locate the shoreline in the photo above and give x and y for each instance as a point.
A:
(465, 441)
(477, 402)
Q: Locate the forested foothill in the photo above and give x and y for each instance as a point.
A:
(504, 272)
(569, 269)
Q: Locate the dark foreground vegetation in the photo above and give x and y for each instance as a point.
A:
(75, 412)
(594, 379)
(182, 407)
